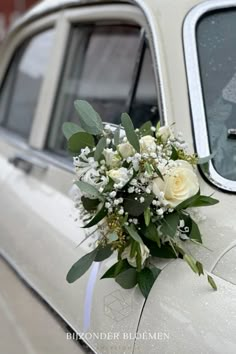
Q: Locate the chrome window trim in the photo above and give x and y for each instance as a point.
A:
(195, 88)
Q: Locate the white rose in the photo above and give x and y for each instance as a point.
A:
(164, 133)
(112, 158)
(147, 144)
(132, 260)
(126, 150)
(180, 183)
(120, 176)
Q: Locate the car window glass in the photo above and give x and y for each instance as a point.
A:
(21, 88)
(144, 105)
(99, 67)
(216, 38)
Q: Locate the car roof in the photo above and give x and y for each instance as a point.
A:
(48, 6)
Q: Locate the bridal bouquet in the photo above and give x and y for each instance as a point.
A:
(136, 186)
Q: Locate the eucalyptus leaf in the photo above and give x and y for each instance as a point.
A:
(81, 266)
(166, 251)
(79, 141)
(148, 168)
(127, 279)
(89, 119)
(133, 233)
(117, 136)
(69, 129)
(116, 269)
(130, 132)
(97, 218)
(204, 200)
(99, 148)
(103, 253)
(174, 155)
(88, 189)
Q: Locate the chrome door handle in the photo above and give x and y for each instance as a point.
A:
(231, 133)
(27, 163)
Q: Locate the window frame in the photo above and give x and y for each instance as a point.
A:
(10, 46)
(199, 121)
(113, 15)
(62, 20)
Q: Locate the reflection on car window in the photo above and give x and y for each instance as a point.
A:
(216, 37)
(99, 68)
(20, 91)
(144, 105)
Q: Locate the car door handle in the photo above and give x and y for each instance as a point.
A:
(27, 163)
(231, 133)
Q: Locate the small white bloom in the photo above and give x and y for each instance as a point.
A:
(132, 261)
(147, 144)
(142, 200)
(112, 194)
(164, 133)
(126, 150)
(112, 158)
(131, 190)
(181, 223)
(120, 176)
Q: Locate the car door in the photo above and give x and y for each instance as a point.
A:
(102, 55)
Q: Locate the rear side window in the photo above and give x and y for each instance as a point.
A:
(102, 65)
(20, 90)
(216, 39)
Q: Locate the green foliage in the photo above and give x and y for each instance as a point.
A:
(146, 279)
(69, 129)
(116, 269)
(147, 216)
(191, 262)
(151, 233)
(88, 189)
(129, 130)
(197, 201)
(99, 149)
(127, 279)
(89, 119)
(103, 253)
(211, 282)
(170, 223)
(81, 266)
(79, 141)
(90, 204)
(145, 129)
(117, 136)
(134, 207)
(133, 233)
(97, 218)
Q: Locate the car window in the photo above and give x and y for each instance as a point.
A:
(216, 38)
(99, 67)
(144, 104)
(21, 87)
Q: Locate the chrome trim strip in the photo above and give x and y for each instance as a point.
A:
(195, 89)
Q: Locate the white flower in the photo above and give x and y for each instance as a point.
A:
(112, 158)
(120, 176)
(164, 133)
(147, 144)
(179, 184)
(132, 260)
(126, 150)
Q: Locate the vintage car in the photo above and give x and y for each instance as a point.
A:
(159, 60)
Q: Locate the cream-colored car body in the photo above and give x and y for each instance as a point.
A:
(39, 236)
